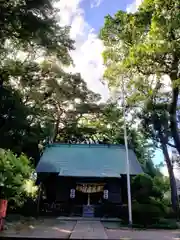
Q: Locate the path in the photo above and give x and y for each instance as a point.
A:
(143, 234)
(88, 230)
(55, 228)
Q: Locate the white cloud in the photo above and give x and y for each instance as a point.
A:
(96, 3)
(133, 7)
(88, 54)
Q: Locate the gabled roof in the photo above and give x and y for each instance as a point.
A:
(83, 160)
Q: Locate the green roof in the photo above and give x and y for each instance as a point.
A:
(83, 160)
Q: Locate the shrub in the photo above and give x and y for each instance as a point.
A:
(160, 204)
(165, 224)
(142, 186)
(170, 214)
(162, 224)
(147, 213)
(145, 187)
(15, 178)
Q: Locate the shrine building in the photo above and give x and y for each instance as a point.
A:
(86, 180)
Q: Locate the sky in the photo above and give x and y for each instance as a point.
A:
(86, 17)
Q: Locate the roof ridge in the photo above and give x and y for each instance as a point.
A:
(86, 145)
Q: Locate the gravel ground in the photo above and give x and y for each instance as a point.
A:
(47, 228)
(143, 234)
(58, 228)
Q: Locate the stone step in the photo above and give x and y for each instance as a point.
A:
(88, 230)
(89, 219)
(88, 211)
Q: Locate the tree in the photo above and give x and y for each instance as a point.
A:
(15, 178)
(150, 51)
(32, 25)
(156, 126)
(29, 29)
(40, 101)
(143, 48)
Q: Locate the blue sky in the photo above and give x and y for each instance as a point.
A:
(86, 17)
(95, 16)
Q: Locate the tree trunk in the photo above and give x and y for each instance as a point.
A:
(174, 196)
(56, 129)
(174, 75)
(173, 119)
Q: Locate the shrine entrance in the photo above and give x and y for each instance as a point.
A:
(89, 194)
(96, 198)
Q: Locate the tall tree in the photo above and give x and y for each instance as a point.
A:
(144, 48)
(52, 101)
(33, 24)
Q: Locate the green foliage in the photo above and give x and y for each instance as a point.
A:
(32, 25)
(146, 213)
(148, 43)
(145, 188)
(150, 168)
(142, 48)
(153, 214)
(29, 30)
(165, 224)
(15, 178)
(42, 102)
(16, 129)
(162, 182)
(142, 187)
(149, 201)
(160, 224)
(170, 213)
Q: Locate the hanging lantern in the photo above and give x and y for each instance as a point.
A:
(105, 196)
(72, 193)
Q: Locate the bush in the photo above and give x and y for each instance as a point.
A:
(159, 204)
(15, 178)
(29, 208)
(165, 224)
(142, 186)
(170, 214)
(145, 187)
(152, 215)
(147, 213)
(162, 224)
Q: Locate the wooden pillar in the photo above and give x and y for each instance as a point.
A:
(88, 201)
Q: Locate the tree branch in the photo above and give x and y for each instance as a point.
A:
(171, 145)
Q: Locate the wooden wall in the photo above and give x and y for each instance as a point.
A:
(58, 188)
